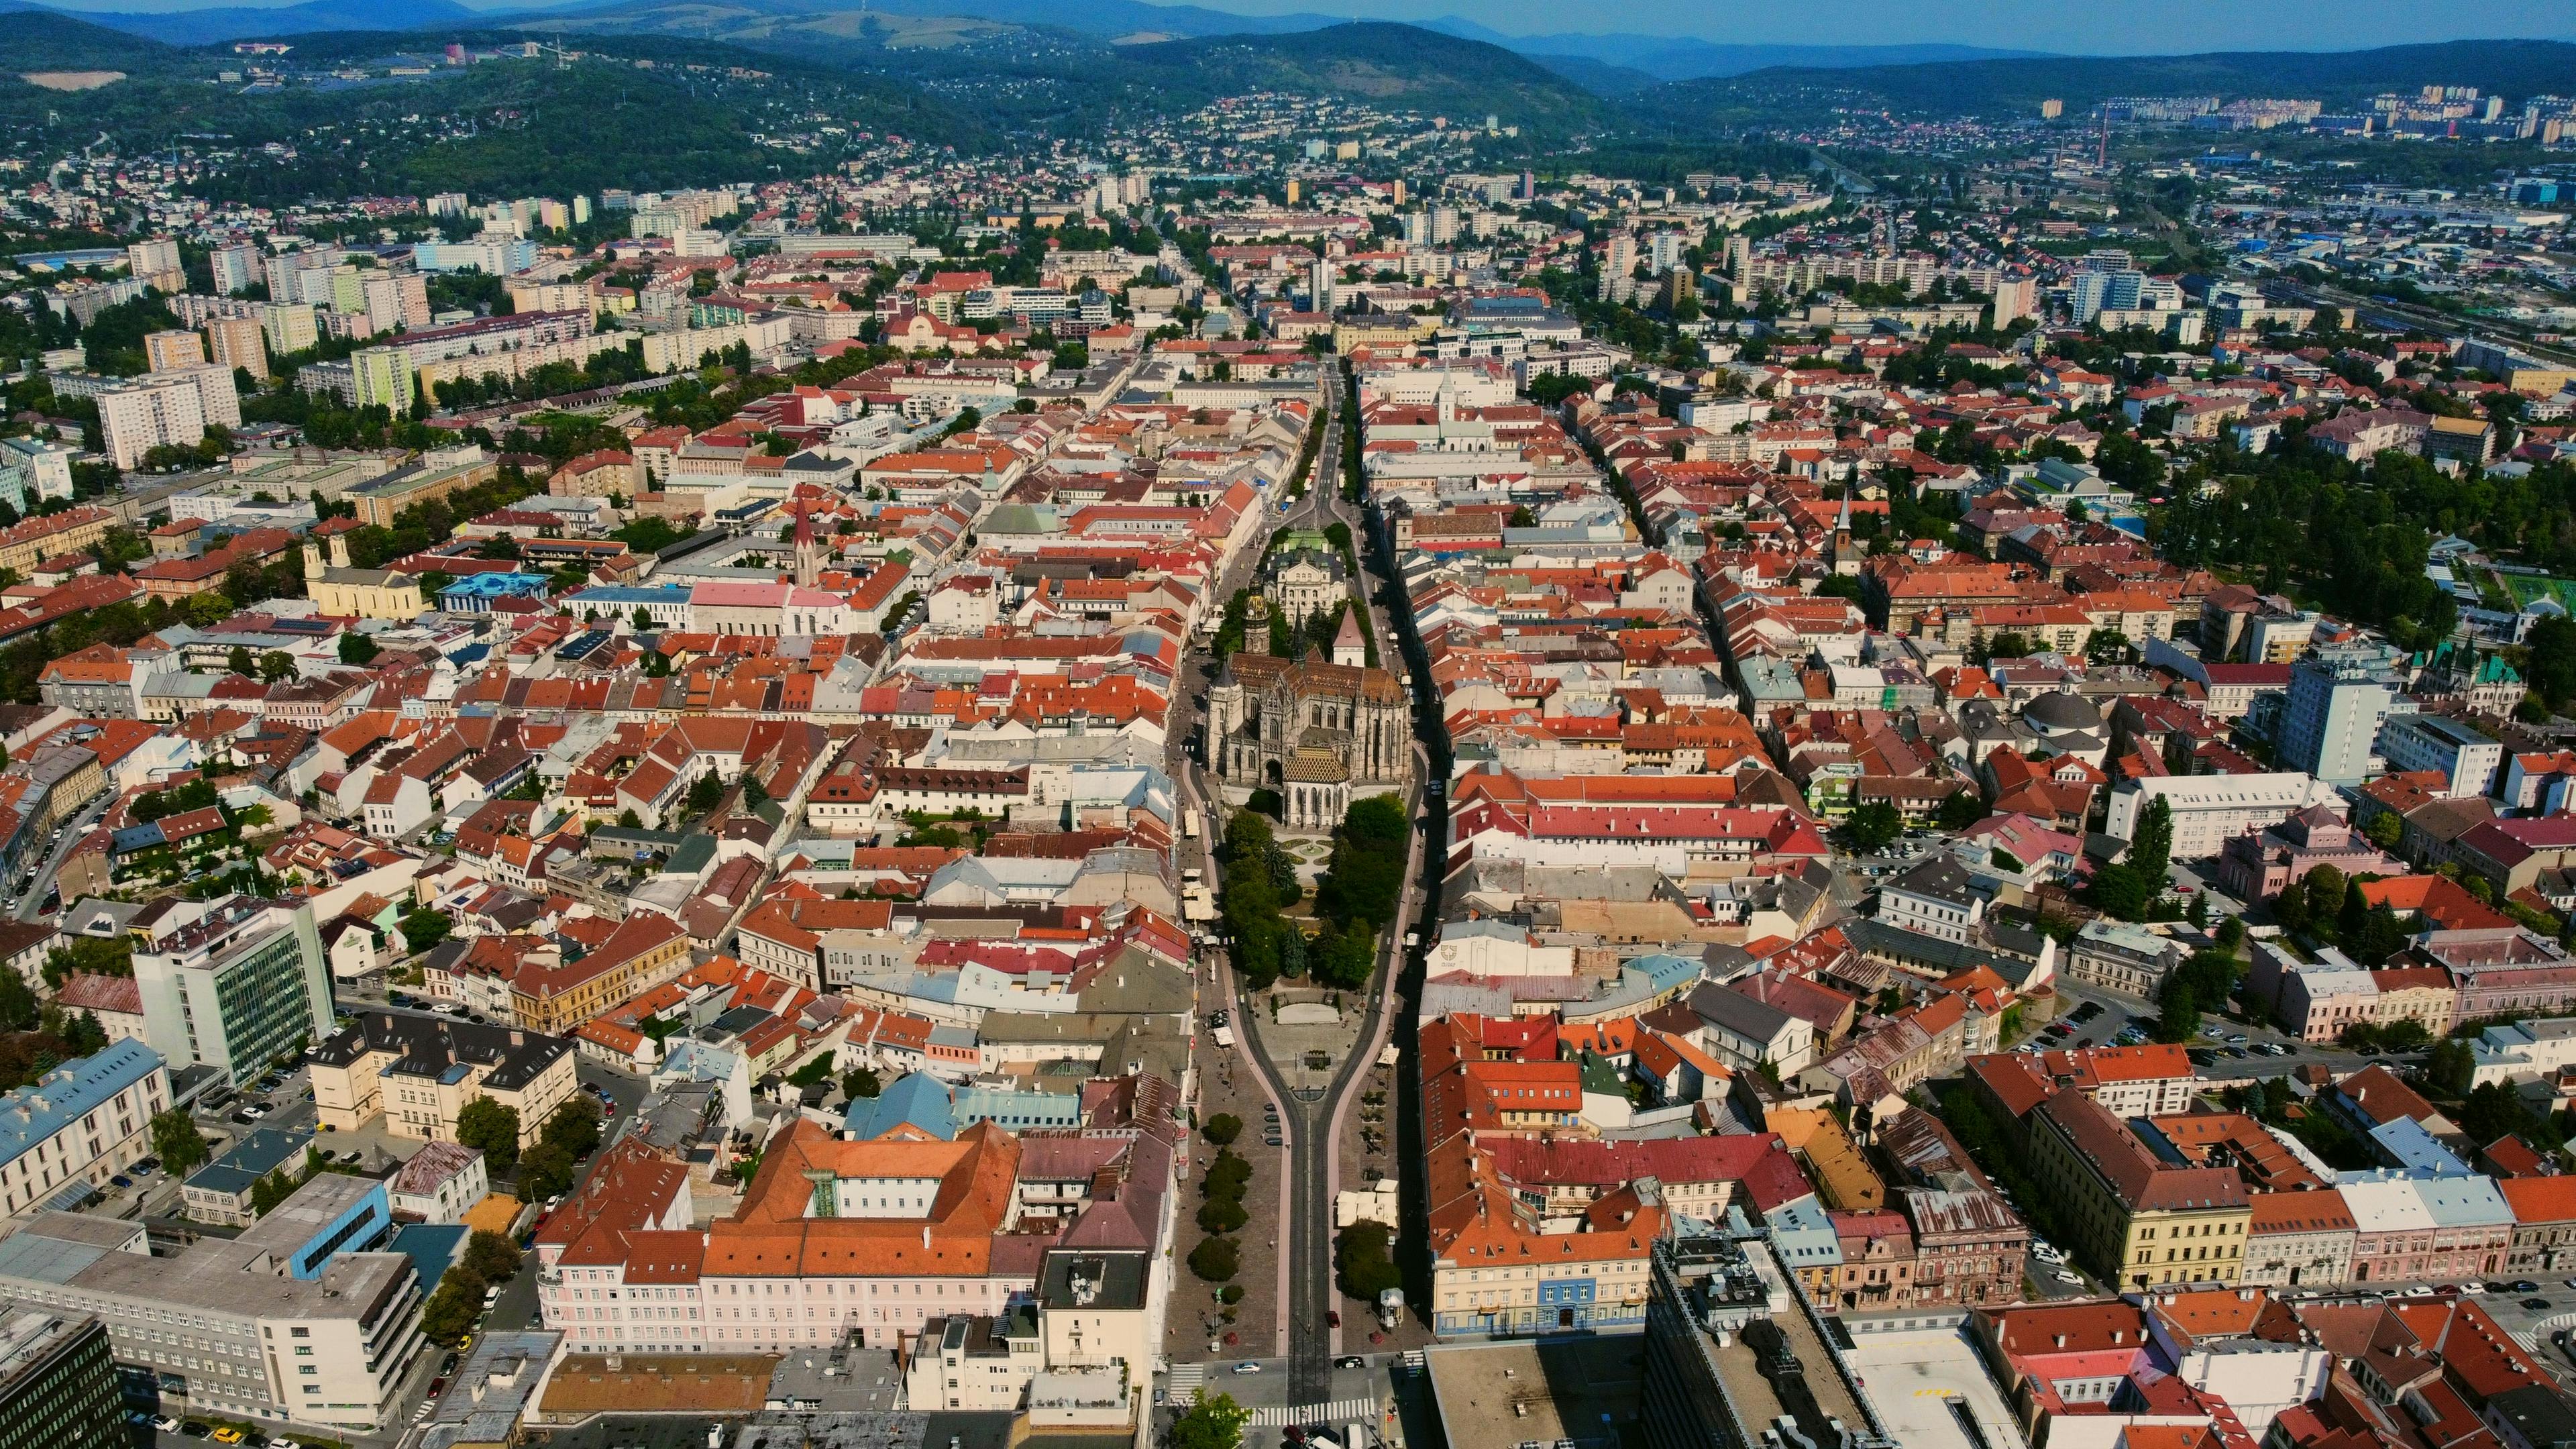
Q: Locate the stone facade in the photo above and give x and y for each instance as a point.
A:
(1315, 732)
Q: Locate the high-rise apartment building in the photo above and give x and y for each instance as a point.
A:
(235, 267)
(291, 328)
(382, 377)
(155, 263)
(177, 347)
(149, 413)
(2340, 694)
(238, 342)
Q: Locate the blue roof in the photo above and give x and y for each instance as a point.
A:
(1018, 1111)
(136, 837)
(1665, 971)
(630, 594)
(432, 1247)
(496, 586)
(63, 1096)
(261, 1152)
(916, 1098)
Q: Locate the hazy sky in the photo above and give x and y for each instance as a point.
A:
(2075, 26)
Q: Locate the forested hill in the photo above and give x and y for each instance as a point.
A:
(1398, 66)
(640, 112)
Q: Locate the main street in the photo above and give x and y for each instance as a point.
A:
(1309, 1119)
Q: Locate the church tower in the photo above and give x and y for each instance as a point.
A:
(809, 551)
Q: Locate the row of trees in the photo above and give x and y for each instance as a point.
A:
(1221, 1214)
(490, 1258)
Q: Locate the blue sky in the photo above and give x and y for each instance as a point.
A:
(2099, 27)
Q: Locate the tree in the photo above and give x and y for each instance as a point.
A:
(276, 666)
(1874, 826)
(1222, 1215)
(423, 928)
(1222, 1128)
(18, 1009)
(2179, 1020)
(704, 794)
(2151, 844)
(357, 648)
(1365, 1266)
(492, 1129)
(491, 1256)
(2121, 892)
(1215, 1260)
(2290, 908)
(2451, 1066)
(450, 1313)
(176, 1142)
(239, 662)
(575, 1125)
(1963, 809)
(547, 1170)
(2386, 830)
(1215, 1422)
(2405, 1035)
(860, 1083)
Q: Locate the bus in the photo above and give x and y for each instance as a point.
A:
(1190, 825)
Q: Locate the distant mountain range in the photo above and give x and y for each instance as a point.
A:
(236, 22)
(1652, 57)
(2514, 69)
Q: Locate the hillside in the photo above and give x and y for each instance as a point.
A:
(1399, 66)
(225, 23)
(40, 40)
(2338, 78)
(500, 126)
(820, 29)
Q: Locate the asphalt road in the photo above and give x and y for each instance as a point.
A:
(1308, 1122)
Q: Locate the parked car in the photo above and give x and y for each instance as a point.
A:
(2473, 1289)
(166, 1425)
(229, 1435)
(1247, 1367)
(1350, 1360)
(2536, 1305)
(195, 1430)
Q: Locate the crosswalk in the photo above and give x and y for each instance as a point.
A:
(1339, 1411)
(1183, 1382)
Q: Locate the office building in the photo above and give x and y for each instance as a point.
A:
(151, 413)
(418, 1072)
(57, 1382)
(163, 351)
(294, 1320)
(239, 342)
(65, 1134)
(235, 983)
(2339, 696)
